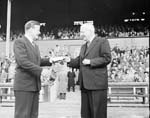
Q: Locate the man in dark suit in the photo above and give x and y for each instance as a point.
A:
(92, 62)
(27, 82)
(71, 79)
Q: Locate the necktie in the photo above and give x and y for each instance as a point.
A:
(87, 44)
(86, 48)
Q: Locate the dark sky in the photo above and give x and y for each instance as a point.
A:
(57, 12)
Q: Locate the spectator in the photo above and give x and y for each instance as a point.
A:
(71, 79)
(63, 80)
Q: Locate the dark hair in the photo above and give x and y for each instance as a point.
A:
(31, 24)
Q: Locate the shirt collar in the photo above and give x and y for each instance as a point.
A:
(29, 38)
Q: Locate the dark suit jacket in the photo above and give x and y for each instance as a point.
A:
(28, 70)
(93, 76)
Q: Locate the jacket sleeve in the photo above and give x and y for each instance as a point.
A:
(104, 55)
(22, 59)
(75, 63)
(45, 62)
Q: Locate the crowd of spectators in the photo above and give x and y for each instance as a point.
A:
(110, 31)
(127, 65)
(7, 69)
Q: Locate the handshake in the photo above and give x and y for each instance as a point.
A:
(58, 59)
(46, 73)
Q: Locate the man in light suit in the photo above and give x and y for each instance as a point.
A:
(27, 82)
(92, 62)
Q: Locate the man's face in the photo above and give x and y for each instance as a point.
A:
(84, 34)
(35, 31)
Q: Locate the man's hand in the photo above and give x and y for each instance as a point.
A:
(56, 59)
(86, 62)
(67, 59)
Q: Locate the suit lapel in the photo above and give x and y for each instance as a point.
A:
(33, 48)
(83, 50)
(37, 51)
(92, 45)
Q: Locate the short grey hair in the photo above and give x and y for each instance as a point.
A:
(31, 24)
